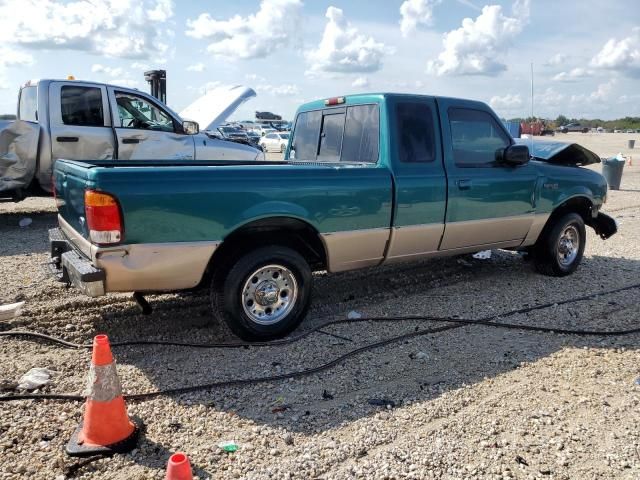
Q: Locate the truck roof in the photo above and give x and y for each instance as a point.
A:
(37, 81)
(360, 98)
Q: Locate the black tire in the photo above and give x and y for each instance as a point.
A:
(227, 293)
(549, 257)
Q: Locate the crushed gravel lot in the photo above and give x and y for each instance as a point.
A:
(473, 402)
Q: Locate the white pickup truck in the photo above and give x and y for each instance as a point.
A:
(79, 120)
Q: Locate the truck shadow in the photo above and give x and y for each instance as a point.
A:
(402, 373)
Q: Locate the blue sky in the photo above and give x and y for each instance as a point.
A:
(586, 54)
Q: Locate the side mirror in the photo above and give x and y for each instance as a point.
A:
(516, 155)
(190, 128)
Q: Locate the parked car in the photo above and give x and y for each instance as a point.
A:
(367, 180)
(80, 120)
(254, 138)
(573, 127)
(275, 142)
(234, 134)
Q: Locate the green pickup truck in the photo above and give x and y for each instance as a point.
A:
(367, 180)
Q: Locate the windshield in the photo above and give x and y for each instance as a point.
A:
(284, 136)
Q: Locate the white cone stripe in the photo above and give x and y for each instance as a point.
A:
(103, 384)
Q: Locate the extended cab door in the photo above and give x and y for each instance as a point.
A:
(80, 123)
(144, 130)
(420, 182)
(490, 203)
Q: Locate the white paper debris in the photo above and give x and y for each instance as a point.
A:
(483, 255)
(35, 378)
(25, 222)
(10, 310)
(354, 315)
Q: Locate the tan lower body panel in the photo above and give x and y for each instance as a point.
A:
(154, 267)
(414, 242)
(539, 221)
(355, 249)
(486, 231)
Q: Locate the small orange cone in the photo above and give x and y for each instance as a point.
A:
(106, 427)
(179, 467)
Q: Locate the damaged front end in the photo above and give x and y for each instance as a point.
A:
(18, 153)
(559, 153)
(604, 225)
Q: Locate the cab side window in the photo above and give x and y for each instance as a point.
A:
(414, 123)
(139, 113)
(477, 139)
(82, 106)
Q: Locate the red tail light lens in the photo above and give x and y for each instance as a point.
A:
(103, 218)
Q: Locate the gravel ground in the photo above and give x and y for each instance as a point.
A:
(474, 402)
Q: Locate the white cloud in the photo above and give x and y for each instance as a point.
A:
(572, 75)
(10, 57)
(343, 49)
(360, 82)
(140, 66)
(285, 90)
(114, 28)
(557, 59)
(416, 13)
(196, 67)
(126, 82)
(506, 102)
(475, 47)
(252, 77)
(549, 98)
(600, 95)
(271, 28)
(110, 71)
(621, 55)
(162, 11)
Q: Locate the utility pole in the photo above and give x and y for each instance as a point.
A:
(532, 91)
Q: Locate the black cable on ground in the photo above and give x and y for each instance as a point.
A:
(296, 338)
(457, 323)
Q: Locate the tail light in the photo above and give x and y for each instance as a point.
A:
(103, 218)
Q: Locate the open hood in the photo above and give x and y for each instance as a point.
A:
(559, 153)
(214, 107)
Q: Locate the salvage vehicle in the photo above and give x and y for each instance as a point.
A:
(367, 180)
(573, 127)
(81, 120)
(274, 142)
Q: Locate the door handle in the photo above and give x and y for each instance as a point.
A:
(464, 184)
(130, 140)
(66, 139)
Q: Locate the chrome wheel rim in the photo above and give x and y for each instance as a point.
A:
(568, 246)
(269, 294)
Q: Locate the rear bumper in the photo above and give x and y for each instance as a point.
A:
(148, 267)
(72, 268)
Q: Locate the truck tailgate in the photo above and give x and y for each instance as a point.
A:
(70, 180)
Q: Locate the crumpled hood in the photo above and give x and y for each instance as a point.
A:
(214, 107)
(18, 152)
(559, 153)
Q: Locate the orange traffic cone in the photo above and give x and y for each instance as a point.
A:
(106, 427)
(179, 467)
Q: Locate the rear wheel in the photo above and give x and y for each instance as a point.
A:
(265, 294)
(559, 250)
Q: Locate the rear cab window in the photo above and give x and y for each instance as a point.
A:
(341, 134)
(82, 106)
(28, 104)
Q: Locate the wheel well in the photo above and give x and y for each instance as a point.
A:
(285, 231)
(580, 205)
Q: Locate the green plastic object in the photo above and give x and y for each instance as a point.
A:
(229, 446)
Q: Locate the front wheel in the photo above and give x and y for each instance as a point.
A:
(265, 294)
(559, 250)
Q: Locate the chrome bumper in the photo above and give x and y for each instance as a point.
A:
(72, 268)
